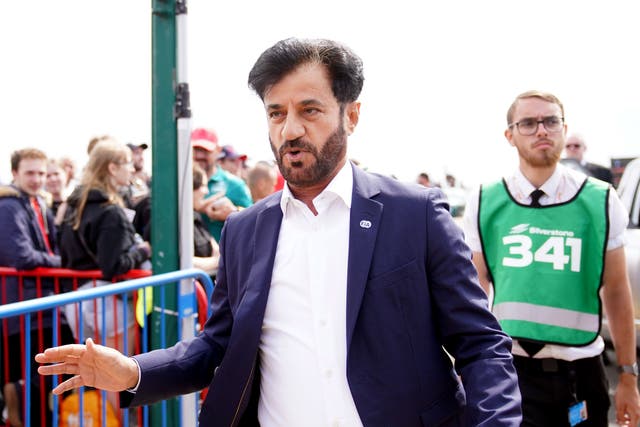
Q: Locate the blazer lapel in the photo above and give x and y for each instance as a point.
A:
(363, 229)
(247, 334)
(266, 241)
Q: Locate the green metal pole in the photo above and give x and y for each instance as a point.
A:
(164, 207)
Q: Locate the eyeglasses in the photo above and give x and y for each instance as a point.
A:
(573, 146)
(529, 125)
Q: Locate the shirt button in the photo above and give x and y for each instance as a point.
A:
(328, 373)
(323, 323)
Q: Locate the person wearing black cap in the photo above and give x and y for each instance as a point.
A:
(140, 180)
(138, 162)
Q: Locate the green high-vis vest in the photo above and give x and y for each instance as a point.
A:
(546, 263)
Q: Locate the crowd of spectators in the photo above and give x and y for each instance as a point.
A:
(99, 219)
(53, 215)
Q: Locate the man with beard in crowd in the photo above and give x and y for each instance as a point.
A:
(336, 297)
(231, 192)
(140, 180)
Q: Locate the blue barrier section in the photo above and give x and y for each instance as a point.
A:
(29, 307)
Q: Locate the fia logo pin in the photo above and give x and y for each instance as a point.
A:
(365, 224)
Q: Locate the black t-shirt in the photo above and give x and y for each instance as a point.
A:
(201, 238)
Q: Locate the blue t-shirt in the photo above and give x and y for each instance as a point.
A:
(233, 188)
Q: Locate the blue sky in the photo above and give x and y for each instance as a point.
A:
(439, 75)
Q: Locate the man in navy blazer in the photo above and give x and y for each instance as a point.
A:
(384, 258)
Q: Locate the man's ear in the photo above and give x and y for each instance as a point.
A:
(509, 135)
(351, 116)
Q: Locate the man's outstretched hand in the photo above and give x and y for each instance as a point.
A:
(91, 365)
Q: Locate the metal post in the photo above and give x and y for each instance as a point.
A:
(164, 191)
(188, 404)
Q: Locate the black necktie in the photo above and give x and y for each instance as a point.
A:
(529, 346)
(535, 198)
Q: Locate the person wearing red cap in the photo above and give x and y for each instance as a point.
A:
(231, 190)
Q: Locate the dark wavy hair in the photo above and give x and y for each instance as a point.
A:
(343, 66)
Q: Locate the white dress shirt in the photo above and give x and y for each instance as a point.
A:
(303, 342)
(560, 187)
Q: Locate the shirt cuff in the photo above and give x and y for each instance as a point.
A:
(135, 389)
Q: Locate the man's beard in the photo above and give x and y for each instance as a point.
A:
(330, 155)
(206, 167)
(542, 159)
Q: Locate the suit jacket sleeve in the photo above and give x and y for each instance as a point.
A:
(189, 365)
(482, 351)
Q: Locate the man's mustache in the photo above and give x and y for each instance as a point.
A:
(296, 144)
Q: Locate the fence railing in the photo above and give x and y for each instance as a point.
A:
(114, 314)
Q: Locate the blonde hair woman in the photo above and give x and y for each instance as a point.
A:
(96, 232)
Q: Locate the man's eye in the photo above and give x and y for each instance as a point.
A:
(275, 114)
(552, 121)
(527, 123)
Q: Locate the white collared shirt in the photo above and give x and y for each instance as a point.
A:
(303, 352)
(561, 186)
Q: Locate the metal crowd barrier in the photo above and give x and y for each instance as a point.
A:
(106, 307)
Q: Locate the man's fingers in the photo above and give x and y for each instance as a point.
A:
(59, 354)
(70, 384)
(60, 368)
(626, 417)
(206, 203)
(90, 344)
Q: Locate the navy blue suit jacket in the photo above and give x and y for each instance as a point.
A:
(411, 291)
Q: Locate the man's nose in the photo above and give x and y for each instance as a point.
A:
(541, 130)
(293, 128)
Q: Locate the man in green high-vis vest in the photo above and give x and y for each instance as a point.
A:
(548, 244)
